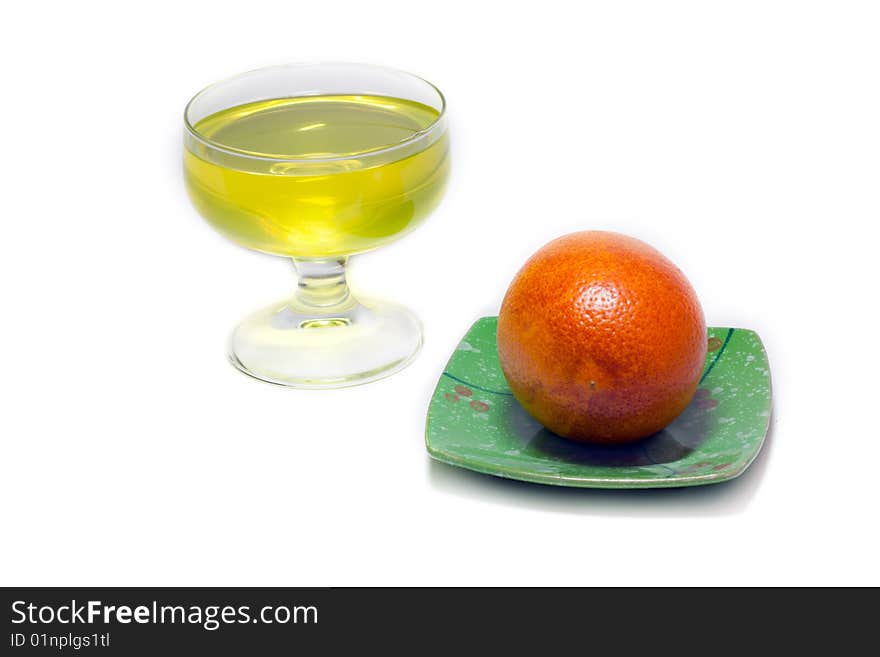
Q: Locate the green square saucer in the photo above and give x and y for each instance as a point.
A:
(475, 423)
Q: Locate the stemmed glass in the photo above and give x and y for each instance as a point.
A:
(318, 162)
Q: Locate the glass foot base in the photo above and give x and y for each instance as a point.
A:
(292, 345)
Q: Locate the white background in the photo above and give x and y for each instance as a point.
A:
(741, 139)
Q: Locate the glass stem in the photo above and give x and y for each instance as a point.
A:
(322, 285)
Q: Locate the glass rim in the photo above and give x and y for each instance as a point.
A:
(211, 143)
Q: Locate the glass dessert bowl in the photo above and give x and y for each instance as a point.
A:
(317, 163)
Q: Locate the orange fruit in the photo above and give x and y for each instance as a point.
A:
(601, 338)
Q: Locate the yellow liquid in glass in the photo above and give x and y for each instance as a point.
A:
(331, 189)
